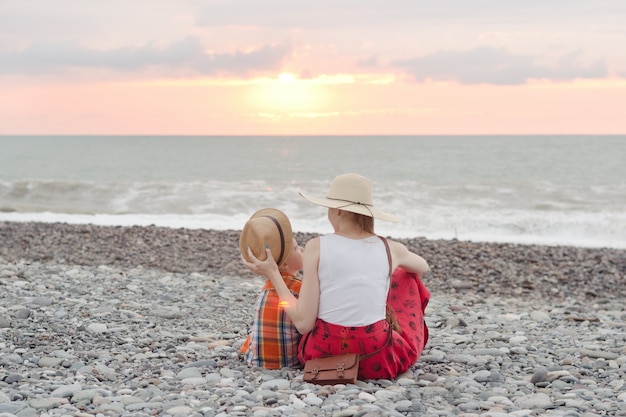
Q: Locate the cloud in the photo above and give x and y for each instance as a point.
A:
(188, 56)
(328, 14)
(487, 65)
(369, 62)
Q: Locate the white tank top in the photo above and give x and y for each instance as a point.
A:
(354, 280)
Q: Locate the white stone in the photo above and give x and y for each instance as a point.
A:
(276, 384)
(366, 396)
(296, 402)
(518, 339)
(537, 315)
(534, 401)
(194, 381)
(312, 399)
(180, 410)
(97, 328)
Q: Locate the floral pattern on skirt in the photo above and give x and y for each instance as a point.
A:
(408, 297)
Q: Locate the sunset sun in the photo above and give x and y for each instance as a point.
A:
(288, 94)
(286, 77)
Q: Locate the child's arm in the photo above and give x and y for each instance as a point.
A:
(302, 310)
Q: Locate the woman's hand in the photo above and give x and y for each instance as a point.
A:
(265, 268)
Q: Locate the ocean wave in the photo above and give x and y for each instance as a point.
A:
(584, 230)
(577, 214)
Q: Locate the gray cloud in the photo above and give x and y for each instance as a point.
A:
(487, 65)
(39, 36)
(186, 56)
(359, 14)
(369, 62)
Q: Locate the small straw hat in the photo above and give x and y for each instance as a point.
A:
(351, 192)
(270, 227)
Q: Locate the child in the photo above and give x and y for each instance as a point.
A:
(273, 340)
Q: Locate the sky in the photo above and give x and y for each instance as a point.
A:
(269, 67)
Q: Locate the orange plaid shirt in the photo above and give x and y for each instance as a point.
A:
(272, 341)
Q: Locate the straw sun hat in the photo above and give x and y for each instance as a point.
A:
(269, 227)
(351, 192)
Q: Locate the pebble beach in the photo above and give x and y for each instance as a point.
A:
(147, 321)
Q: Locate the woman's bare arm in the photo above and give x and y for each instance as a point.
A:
(406, 259)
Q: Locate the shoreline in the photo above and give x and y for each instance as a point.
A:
(148, 321)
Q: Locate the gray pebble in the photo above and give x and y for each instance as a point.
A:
(108, 340)
(22, 314)
(539, 375)
(42, 301)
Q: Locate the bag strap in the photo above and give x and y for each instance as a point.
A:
(390, 313)
(388, 342)
(388, 253)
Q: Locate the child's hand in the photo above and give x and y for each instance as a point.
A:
(264, 268)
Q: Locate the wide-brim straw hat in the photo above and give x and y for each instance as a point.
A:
(351, 192)
(269, 227)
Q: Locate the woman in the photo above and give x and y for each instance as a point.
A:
(346, 286)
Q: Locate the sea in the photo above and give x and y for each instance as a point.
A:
(547, 190)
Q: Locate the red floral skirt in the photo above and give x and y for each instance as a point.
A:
(408, 298)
